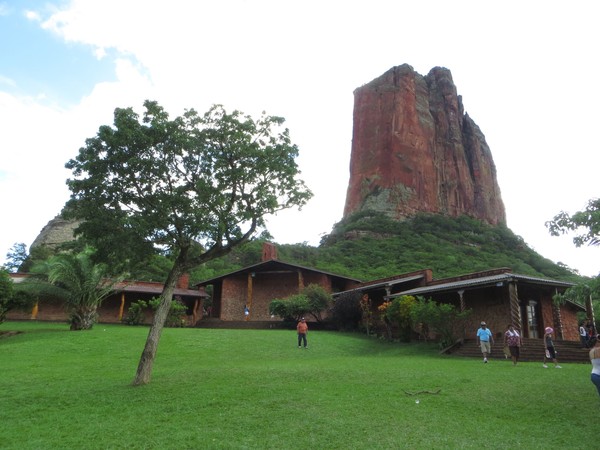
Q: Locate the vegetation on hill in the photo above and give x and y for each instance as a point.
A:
(370, 245)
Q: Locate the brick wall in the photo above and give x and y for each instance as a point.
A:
(48, 310)
(266, 287)
(570, 324)
(489, 306)
(547, 316)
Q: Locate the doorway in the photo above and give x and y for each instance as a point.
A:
(530, 314)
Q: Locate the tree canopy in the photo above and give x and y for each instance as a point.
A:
(195, 186)
(585, 223)
(6, 293)
(15, 257)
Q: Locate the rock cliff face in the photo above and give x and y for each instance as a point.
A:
(56, 232)
(415, 150)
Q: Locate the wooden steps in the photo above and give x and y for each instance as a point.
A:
(532, 350)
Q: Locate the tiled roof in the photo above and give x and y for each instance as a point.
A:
(270, 265)
(382, 284)
(482, 281)
(156, 288)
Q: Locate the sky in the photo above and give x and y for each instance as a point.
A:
(527, 73)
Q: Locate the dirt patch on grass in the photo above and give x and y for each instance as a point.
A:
(5, 334)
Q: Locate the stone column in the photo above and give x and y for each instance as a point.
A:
(122, 306)
(515, 308)
(35, 311)
(463, 307)
(557, 317)
(589, 310)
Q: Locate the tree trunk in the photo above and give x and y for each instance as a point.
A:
(84, 318)
(144, 370)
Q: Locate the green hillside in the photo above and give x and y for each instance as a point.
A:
(371, 245)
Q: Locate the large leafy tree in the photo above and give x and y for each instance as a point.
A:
(6, 293)
(11, 297)
(195, 186)
(585, 223)
(15, 257)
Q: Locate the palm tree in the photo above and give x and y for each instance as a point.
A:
(75, 279)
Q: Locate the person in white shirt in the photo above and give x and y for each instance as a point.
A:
(583, 336)
(595, 360)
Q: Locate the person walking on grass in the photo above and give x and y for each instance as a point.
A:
(595, 360)
(302, 329)
(485, 341)
(512, 339)
(550, 351)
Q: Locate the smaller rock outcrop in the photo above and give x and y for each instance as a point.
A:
(56, 232)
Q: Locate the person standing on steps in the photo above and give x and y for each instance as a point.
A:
(550, 351)
(583, 336)
(302, 329)
(485, 341)
(595, 360)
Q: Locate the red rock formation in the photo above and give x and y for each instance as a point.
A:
(415, 150)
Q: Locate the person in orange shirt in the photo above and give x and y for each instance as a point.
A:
(302, 329)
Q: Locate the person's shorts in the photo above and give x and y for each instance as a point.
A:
(486, 347)
(552, 352)
(515, 351)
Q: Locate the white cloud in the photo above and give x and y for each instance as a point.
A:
(523, 83)
(5, 9)
(7, 81)
(100, 53)
(32, 15)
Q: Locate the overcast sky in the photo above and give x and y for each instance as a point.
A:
(527, 72)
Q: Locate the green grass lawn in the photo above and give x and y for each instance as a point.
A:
(254, 389)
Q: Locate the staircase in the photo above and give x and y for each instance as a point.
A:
(532, 350)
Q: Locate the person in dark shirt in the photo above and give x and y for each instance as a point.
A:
(550, 352)
(512, 339)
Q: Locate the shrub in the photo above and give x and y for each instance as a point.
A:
(313, 300)
(367, 313)
(346, 311)
(175, 318)
(291, 308)
(442, 318)
(398, 312)
(318, 300)
(135, 313)
(11, 297)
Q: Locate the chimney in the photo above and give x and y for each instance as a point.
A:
(184, 281)
(269, 251)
